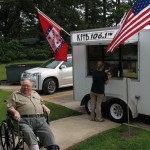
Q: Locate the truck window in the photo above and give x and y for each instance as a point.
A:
(122, 62)
(68, 63)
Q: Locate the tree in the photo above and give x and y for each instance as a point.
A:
(18, 19)
(15, 17)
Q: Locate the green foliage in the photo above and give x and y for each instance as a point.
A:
(116, 15)
(18, 19)
(38, 53)
(4, 95)
(13, 50)
(9, 50)
(117, 139)
(58, 111)
(2, 72)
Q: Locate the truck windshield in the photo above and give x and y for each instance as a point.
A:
(50, 64)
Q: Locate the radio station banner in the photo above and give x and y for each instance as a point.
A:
(84, 37)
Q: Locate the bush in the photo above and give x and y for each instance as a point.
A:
(12, 50)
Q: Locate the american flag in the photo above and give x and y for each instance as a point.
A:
(136, 19)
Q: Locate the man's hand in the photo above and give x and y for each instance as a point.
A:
(46, 110)
(17, 116)
(109, 75)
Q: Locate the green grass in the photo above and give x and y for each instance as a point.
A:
(117, 139)
(3, 69)
(57, 111)
(4, 95)
(2, 72)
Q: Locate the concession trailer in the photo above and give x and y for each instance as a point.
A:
(129, 87)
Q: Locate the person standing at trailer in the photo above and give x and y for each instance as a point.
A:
(100, 78)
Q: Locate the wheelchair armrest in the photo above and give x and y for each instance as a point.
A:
(10, 114)
(12, 122)
(47, 118)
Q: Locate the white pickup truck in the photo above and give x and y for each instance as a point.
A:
(50, 76)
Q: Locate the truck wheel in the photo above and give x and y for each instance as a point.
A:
(49, 86)
(88, 105)
(117, 110)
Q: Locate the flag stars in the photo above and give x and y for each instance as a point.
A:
(140, 5)
(54, 39)
(136, 19)
(49, 30)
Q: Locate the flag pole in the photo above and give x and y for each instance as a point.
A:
(52, 21)
(128, 112)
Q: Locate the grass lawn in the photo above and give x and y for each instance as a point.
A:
(3, 69)
(2, 72)
(58, 111)
(4, 95)
(117, 139)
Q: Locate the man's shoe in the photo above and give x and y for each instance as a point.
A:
(101, 120)
(92, 119)
(53, 147)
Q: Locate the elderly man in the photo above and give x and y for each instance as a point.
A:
(28, 109)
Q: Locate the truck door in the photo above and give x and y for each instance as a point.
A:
(66, 73)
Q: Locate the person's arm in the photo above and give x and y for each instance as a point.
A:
(11, 105)
(108, 76)
(15, 113)
(106, 82)
(46, 109)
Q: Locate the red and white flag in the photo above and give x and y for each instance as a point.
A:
(52, 32)
(136, 19)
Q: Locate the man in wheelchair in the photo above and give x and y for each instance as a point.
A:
(28, 109)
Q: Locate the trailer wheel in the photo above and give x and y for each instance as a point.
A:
(49, 86)
(88, 105)
(117, 110)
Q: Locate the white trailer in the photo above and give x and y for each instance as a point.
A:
(130, 83)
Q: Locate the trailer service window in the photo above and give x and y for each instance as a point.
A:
(123, 62)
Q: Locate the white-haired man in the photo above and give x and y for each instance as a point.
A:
(28, 109)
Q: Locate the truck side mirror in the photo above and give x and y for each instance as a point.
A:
(63, 66)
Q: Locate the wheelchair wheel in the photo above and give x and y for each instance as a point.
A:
(7, 136)
(20, 144)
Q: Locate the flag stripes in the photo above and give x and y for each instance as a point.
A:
(132, 24)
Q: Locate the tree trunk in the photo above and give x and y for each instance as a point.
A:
(104, 13)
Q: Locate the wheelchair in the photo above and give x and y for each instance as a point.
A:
(11, 137)
(10, 134)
